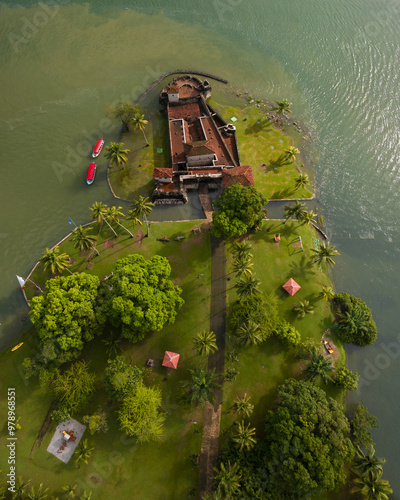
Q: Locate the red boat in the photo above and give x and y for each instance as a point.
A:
(97, 149)
(91, 173)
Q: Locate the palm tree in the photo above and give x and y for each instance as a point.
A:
(306, 217)
(244, 436)
(85, 495)
(82, 239)
(250, 334)
(131, 215)
(246, 286)
(116, 153)
(290, 153)
(293, 210)
(242, 267)
(318, 366)
(84, 452)
(243, 406)
(324, 253)
(113, 215)
(99, 214)
(282, 106)
(70, 490)
(112, 344)
(242, 249)
(205, 343)
(141, 208)
(354, 321)
(371, 486)
(140, 123)
(227, 479)
(39, 494)
(20, 489)
(304, 308)
(326, 293)
(301, 181)
(57, 261)
(201, 386)
(365, 462)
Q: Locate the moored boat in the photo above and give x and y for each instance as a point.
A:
(97, 149)
(91, 173)
(17, 346)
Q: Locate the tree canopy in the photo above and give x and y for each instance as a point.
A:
(238, 209)
(307, 442)
(121, 379)
(65, 316)
(140, 297)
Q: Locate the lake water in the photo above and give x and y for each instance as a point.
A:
(63, 63)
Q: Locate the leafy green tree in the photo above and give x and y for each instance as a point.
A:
(57, 261)
(304, 308)
(228, 480)
(324, 254)
(113, 216)
(244, 436)
(96, 422)
(246, 286)
(319, 366)
(365, 462)
(124, 111)
(112, 344)
(121, 379)
(326, 293)
(243, 406)
(74, 387)
(239, 209)
(293, 211)
(65, 316)
(307, 432)
(140, 297)
(140, 123)
(139, 414)
(372, 487)
(200, 388)
(356, 324)
(260, 310)
(99, 214)
(282, 107)
(361, 425)
(83, 452)
(140, 209)
(301, 181)
(288, 334)
(82, 239)
(116, 154)
(345, 378)
(205, 343)
(37, 494)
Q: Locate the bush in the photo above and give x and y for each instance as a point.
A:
(346, 379)
(288, 334)
(361, 425)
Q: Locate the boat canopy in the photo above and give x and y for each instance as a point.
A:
(98, 146)
(91, 170)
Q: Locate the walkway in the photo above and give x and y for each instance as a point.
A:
(212, 414)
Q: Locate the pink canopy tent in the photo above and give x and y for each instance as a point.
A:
(291, 287)
(170, 359)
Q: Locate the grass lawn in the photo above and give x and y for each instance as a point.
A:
(134, 180)
(118, 466)
(263, 368)
(260, 142)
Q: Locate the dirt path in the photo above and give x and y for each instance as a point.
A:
(212, 414)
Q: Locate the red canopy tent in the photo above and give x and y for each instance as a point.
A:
(291, 287)
(170, 359)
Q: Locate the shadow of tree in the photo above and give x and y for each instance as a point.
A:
(263, 125)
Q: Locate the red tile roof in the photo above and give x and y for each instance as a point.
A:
(198, 148)
(242, 175)
(162, 173)
(170, 359)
